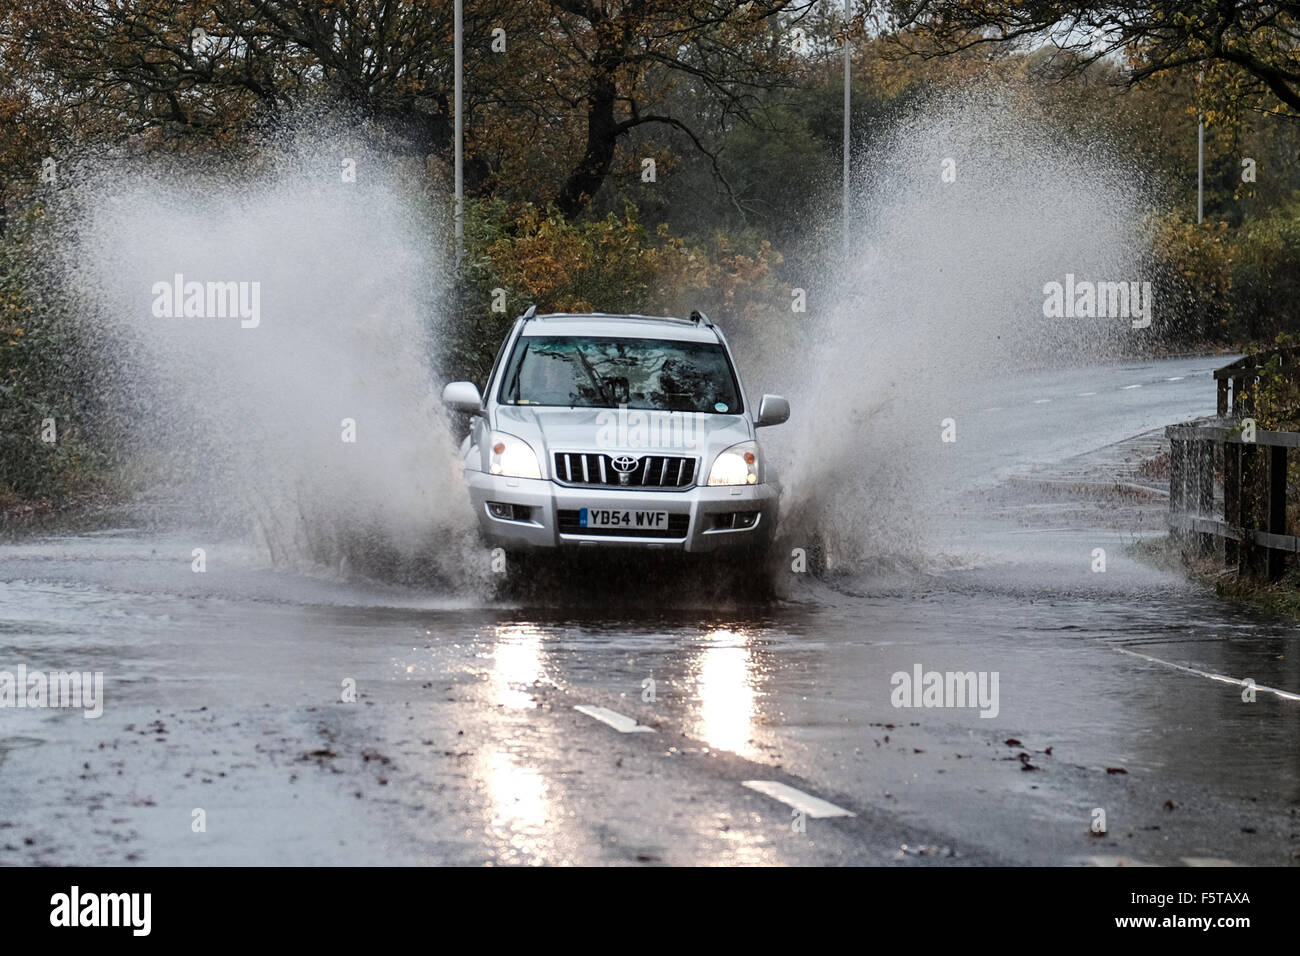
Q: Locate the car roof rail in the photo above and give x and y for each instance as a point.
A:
(696, 317)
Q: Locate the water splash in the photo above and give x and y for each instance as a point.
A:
(940, 293)
(245, 422)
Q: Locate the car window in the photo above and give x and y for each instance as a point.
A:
(596, 372)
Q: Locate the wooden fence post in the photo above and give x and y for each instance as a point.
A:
(1276, 508)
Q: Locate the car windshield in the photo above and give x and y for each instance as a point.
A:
(578, 371)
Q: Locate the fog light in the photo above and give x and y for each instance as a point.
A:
(735, 520)
(508, 512)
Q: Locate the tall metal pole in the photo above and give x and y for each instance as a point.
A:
(847, 62)
(458, 26)
(1200, 151)
(1200, 168)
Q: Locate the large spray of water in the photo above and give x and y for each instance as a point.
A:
(264, 340)
(965, 207)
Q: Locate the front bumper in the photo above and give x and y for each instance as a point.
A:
(702, 506)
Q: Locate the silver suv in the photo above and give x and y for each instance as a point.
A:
(624, 431)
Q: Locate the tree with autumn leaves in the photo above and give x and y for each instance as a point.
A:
(1248, 49)
(737, 103)
(552, 88)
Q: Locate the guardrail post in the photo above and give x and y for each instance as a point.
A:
(1276, 508)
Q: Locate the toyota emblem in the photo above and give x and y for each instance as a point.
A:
(624, 465)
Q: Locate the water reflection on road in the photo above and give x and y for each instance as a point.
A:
(725, 682)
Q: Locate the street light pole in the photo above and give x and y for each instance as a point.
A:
(458, 26)
(845, 198)
(1200, 168)
(1200, 152)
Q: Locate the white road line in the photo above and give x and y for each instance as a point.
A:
(1176, 378)
(1115, 861)
(815, 807)
(995, 408)
(1041, 401)
(1208, 861)
(1085, 394)
(624, 725)
(1127, 387)
(1284, 694)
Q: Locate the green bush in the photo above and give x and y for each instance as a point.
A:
(1266, 276)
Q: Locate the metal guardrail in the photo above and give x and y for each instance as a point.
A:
(1253, 521)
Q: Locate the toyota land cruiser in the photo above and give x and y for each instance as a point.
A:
(629, 431)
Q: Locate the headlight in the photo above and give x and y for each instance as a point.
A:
(738, 465)
(512, 457)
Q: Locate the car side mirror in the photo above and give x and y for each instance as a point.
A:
(772, 410)
(463, 397)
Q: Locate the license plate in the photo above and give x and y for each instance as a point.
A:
(622, 518)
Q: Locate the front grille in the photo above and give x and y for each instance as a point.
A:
(643, 471)
(567, 523)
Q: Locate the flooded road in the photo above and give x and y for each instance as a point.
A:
(312, 719)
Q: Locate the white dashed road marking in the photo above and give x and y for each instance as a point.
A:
(815, 807)
(1086, 394)
(1222, 678)
(1114, 861)
(1129, 861)
(624, 725)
